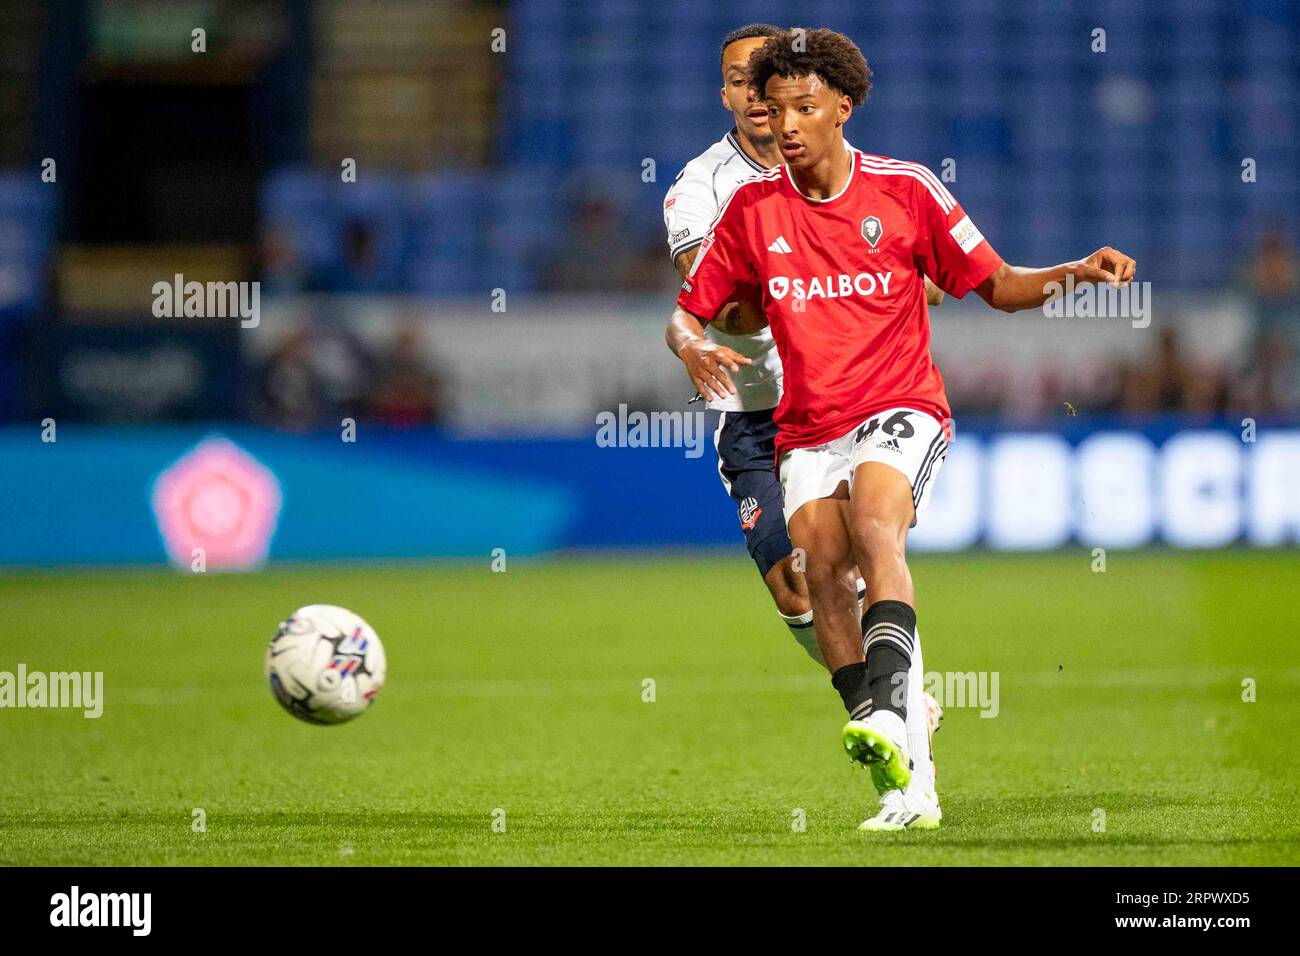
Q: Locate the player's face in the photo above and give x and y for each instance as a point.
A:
(806, 117)
(737, 96)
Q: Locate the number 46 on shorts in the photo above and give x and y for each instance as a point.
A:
(906, 439)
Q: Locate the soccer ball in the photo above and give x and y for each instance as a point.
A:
(325, 664)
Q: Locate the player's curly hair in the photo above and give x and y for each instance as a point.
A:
(832, 56)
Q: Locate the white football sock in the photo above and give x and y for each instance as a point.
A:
(804, 632)
(918, 725)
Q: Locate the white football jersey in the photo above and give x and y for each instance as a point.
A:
(692, 203)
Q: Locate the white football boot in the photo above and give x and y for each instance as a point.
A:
(905, 810)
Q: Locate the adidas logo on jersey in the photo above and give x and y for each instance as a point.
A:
(891, 444)
(780, 245)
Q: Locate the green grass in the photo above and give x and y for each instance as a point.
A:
(523, 691)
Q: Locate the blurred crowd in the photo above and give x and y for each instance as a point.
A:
(1171, 376)
(322, 372)
(603, 252)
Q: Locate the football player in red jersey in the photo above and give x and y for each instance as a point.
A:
(744, 400)
(832, 248)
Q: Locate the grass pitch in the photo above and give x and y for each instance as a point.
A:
(517, 697)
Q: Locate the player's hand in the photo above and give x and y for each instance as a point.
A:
(933, 294)
(707, 364)
(1106, 265)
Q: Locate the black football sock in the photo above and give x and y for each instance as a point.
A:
(887, 641)
(851, 681)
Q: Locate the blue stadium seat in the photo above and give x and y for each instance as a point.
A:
(1012, 92)
(446, 247)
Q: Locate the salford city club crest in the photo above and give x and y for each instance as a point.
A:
(872, 230)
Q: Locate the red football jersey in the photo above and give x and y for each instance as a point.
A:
(840, 281)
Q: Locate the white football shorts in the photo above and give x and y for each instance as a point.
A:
(911, 441)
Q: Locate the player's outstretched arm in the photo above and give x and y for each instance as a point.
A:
(706, 362)
(1012, 288)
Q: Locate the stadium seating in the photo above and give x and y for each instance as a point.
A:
(1057, 148)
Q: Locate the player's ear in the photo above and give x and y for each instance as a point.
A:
(846, 109)
(722, 92)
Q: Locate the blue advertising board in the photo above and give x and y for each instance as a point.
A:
(150, 494)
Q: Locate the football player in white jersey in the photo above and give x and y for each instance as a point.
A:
(734, 365)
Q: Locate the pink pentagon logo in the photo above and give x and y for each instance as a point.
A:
(221, 499)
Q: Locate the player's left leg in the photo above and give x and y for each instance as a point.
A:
(923, 715)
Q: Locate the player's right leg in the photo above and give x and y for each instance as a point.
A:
(789, 592)
(814, 481)
(915, 807)
(881, 511)
(891, 474)
(819, 531)
(923, 714)
(745, 442)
